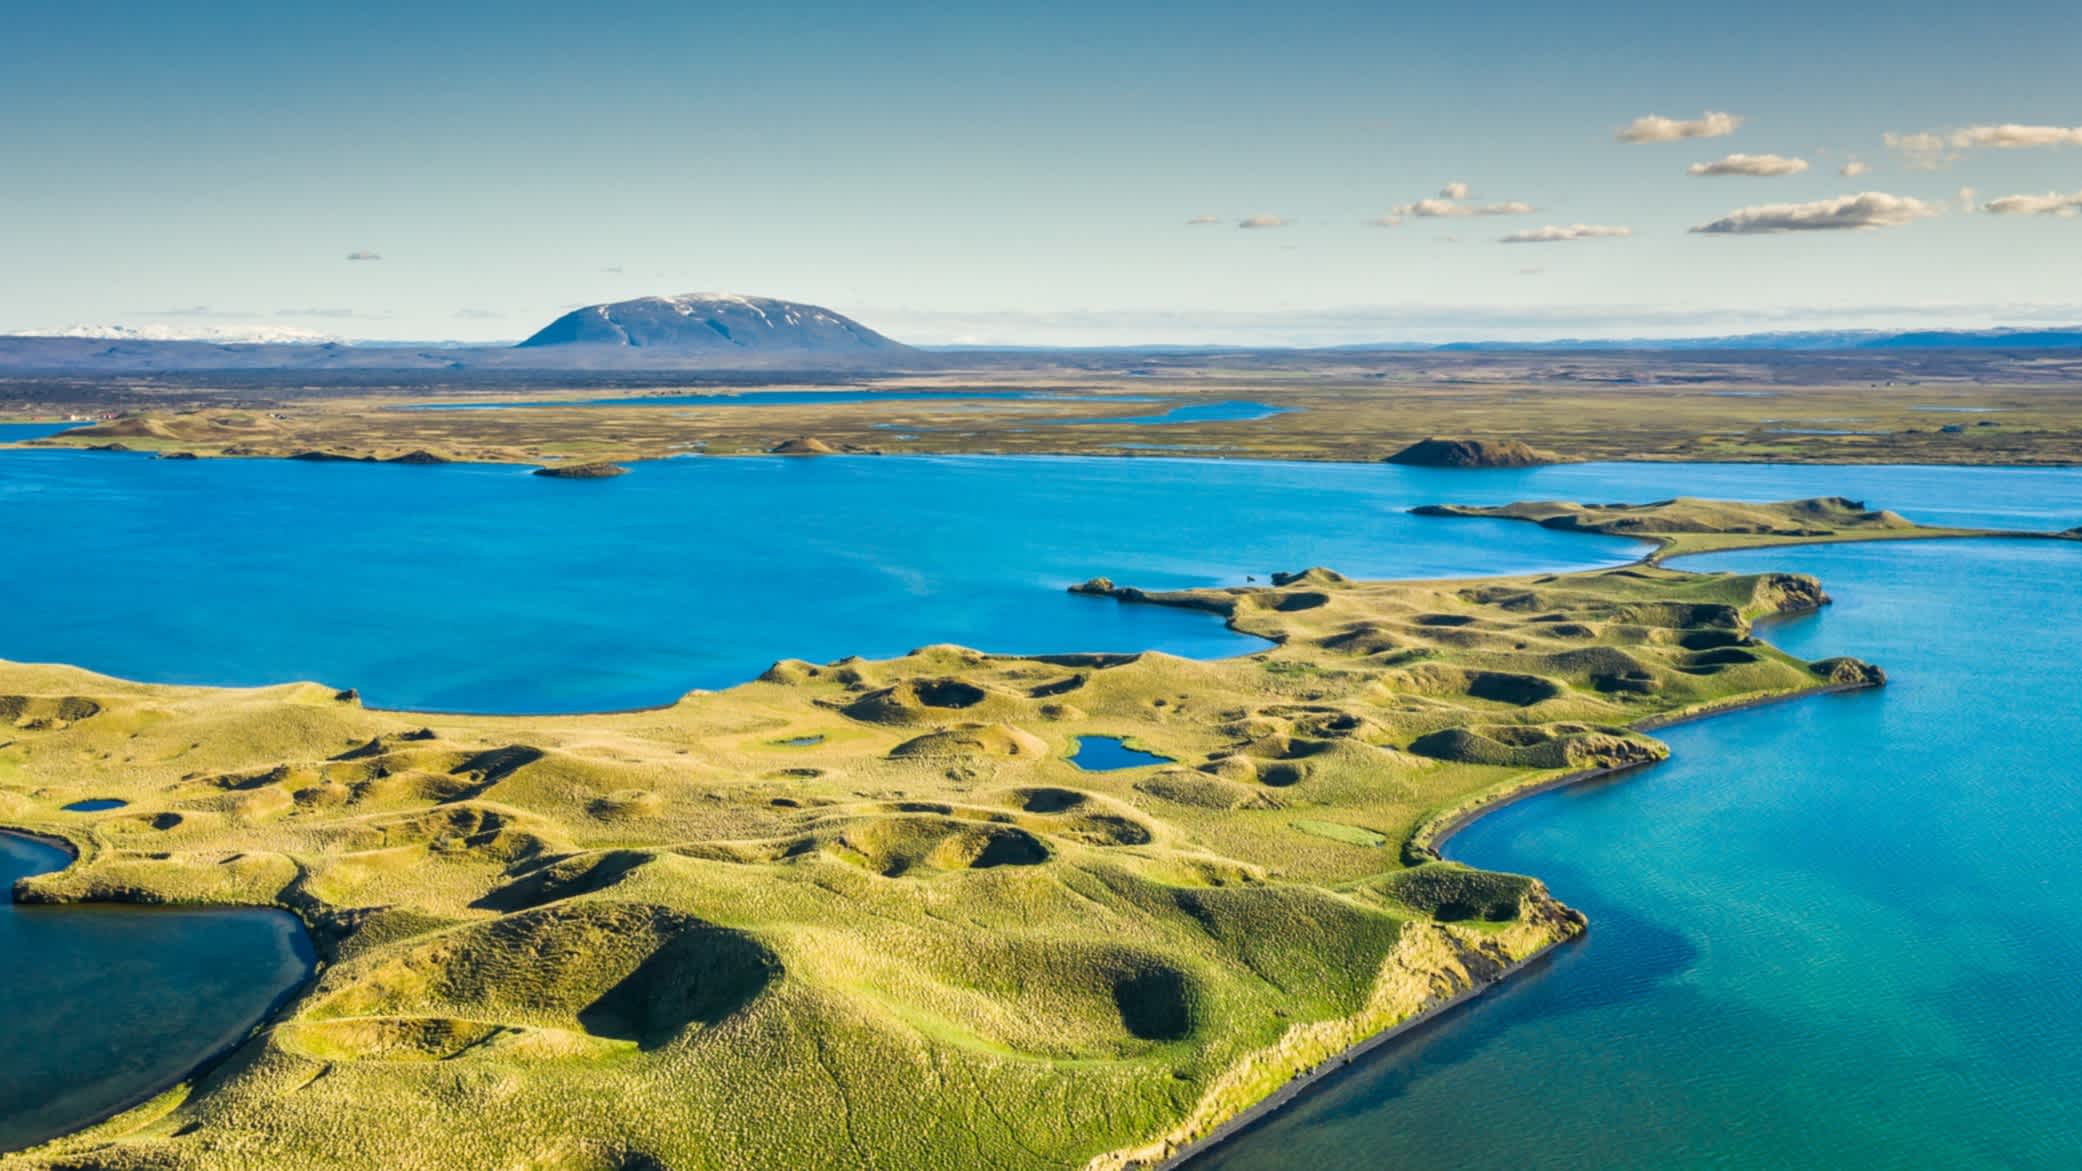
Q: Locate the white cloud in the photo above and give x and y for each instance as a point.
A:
(1263, 221)
(1853, 169)
(1924, 150)
(1198, 220)
(1386, 221)
(1929, 150)
(1761, 166)
(1656, 128)
(1966, 199)
(2051, 203)
(1449, 209)
(2011, 136)
(1454, 190)
(477, 314)
(1554, 234)
(364, 254)
(1871, 209)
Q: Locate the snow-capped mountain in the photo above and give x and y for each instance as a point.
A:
(225, 334)
(714, 322)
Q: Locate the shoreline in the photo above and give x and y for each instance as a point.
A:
(1427, 837)
(1094, 451)
(303, 947)
(1429, 840)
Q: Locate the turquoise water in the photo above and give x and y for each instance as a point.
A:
(108, 1005)
(1228, 411)
(17, 432)
(1840, 932)
(768, 398)
(1215, 412)
(484, 588)
(1106, 753)
(1835, 932)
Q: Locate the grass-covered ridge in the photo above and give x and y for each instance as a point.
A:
(868, 913)
(1690, 525)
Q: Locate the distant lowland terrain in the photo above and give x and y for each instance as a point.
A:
(732, 374)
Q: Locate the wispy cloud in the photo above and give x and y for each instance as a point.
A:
(194, 311)
(2051, 203)
(1656, 128)
(1853, 169)
(1555, 234)
(1760, 166)
(364, 254)
(1263, 221)
(1451, 203)
(332, 313)
(2011, 136)
(1931, 149)
(1871, 209)
(1201, 220)
(1449, 209)
(478, 314)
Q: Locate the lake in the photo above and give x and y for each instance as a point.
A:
(109, 1005)
(1837, 932)
(1834, 932)
(482, 588)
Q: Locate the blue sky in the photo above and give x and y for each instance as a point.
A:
(1028, 176)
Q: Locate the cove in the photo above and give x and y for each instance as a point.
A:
(107, 1006)
(1834, 932)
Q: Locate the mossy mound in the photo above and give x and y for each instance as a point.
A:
(598, 470)
(1539, 746)
(1452, 893)
(1472, 453)
(802, 445)
(1001, 740)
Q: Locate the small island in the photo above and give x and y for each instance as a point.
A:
(596, 470)
(1472, 453)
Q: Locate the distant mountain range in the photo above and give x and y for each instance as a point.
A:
(727, 331)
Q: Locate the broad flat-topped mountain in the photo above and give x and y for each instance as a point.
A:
(713, 322)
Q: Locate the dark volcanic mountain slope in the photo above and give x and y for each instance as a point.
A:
(713, 322)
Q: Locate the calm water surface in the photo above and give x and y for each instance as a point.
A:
(108, 1005)
(1840, 932)
(1836, 932)
(767, 398)
(483, 588)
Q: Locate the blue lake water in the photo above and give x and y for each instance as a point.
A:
(96, 805)
(482, 588)
(768, 398)
(18, 432)
(1840, 932)
(108, 1005)
(1829, 933)
(1106, 753)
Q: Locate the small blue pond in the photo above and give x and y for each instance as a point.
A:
(1098, 754)
(96, 805)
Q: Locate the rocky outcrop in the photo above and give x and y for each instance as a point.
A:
(598, 470)
(1472, 453)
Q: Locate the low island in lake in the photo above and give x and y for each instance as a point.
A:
(879, 899)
